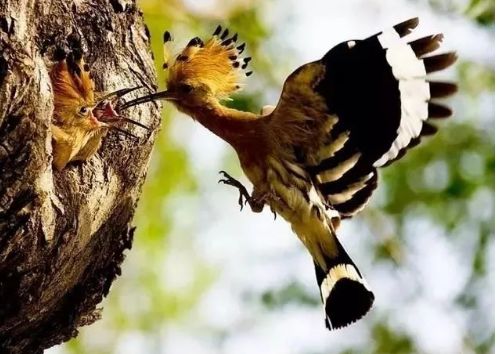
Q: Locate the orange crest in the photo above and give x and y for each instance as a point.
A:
(216, 64)
(72, 85)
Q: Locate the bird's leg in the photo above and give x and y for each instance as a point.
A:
(260, 198)
(255, 203)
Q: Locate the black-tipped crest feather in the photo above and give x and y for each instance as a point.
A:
(217, 31)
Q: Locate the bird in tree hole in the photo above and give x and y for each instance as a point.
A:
(313, 159)
(82, 116)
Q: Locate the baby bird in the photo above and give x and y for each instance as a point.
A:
(81, 116)
(313, 159)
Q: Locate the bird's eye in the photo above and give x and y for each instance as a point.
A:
(83, 111)
(185, 88)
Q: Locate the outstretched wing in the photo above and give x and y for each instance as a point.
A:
(360, 107)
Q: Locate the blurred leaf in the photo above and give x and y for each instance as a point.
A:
(292, 293)
(389, 341)
(482, 11)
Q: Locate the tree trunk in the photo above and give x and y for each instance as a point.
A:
(63, 234)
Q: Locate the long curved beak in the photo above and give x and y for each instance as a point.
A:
(124, 132)
(129, 120)
(163, 95)
(117, 94)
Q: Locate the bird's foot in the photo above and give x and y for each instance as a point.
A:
(244, 194)
(255, 201)
(266, 198)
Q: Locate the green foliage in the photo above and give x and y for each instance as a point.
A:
(292, 293)
(388, 341)
(482, 11)
(435, 175)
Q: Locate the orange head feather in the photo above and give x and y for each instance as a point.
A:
(213, 68)
(73, 90)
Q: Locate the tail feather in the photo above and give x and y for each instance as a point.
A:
(345, 294)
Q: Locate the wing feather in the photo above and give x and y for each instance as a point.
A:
(360, 107)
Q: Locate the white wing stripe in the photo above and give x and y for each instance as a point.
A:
(414, 91)
(333, 147)
(388, 37)
(347, 193)
(338, 171)
(405, 65)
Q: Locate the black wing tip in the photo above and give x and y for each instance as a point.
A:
(442, 89)
(436, 110)
(406, 27)
(426, 44)
(348, 302)
(428, 129)
(440, 61)
(439, 37)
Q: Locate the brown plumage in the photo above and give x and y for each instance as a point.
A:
(81, 116)
(76, 133)
(313, 158)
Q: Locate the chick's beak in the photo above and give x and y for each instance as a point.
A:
(106, 111)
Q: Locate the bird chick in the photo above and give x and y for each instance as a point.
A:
(81, 116)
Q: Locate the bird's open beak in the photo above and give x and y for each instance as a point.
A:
(107, 111)
(163, 95)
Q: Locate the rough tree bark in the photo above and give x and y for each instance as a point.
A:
(63, 234)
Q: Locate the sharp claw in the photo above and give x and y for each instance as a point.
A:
(227, 179)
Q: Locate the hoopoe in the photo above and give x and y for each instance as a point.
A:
(81, 116)
(313, 158)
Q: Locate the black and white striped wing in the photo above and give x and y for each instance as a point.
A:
(371, 103)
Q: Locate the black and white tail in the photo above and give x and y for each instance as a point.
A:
(345, 294)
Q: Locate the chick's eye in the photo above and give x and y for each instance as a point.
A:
(83, 111)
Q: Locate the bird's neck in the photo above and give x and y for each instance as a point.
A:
(238, 128)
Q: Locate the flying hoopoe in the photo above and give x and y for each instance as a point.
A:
(313, 158)
(81, 116)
